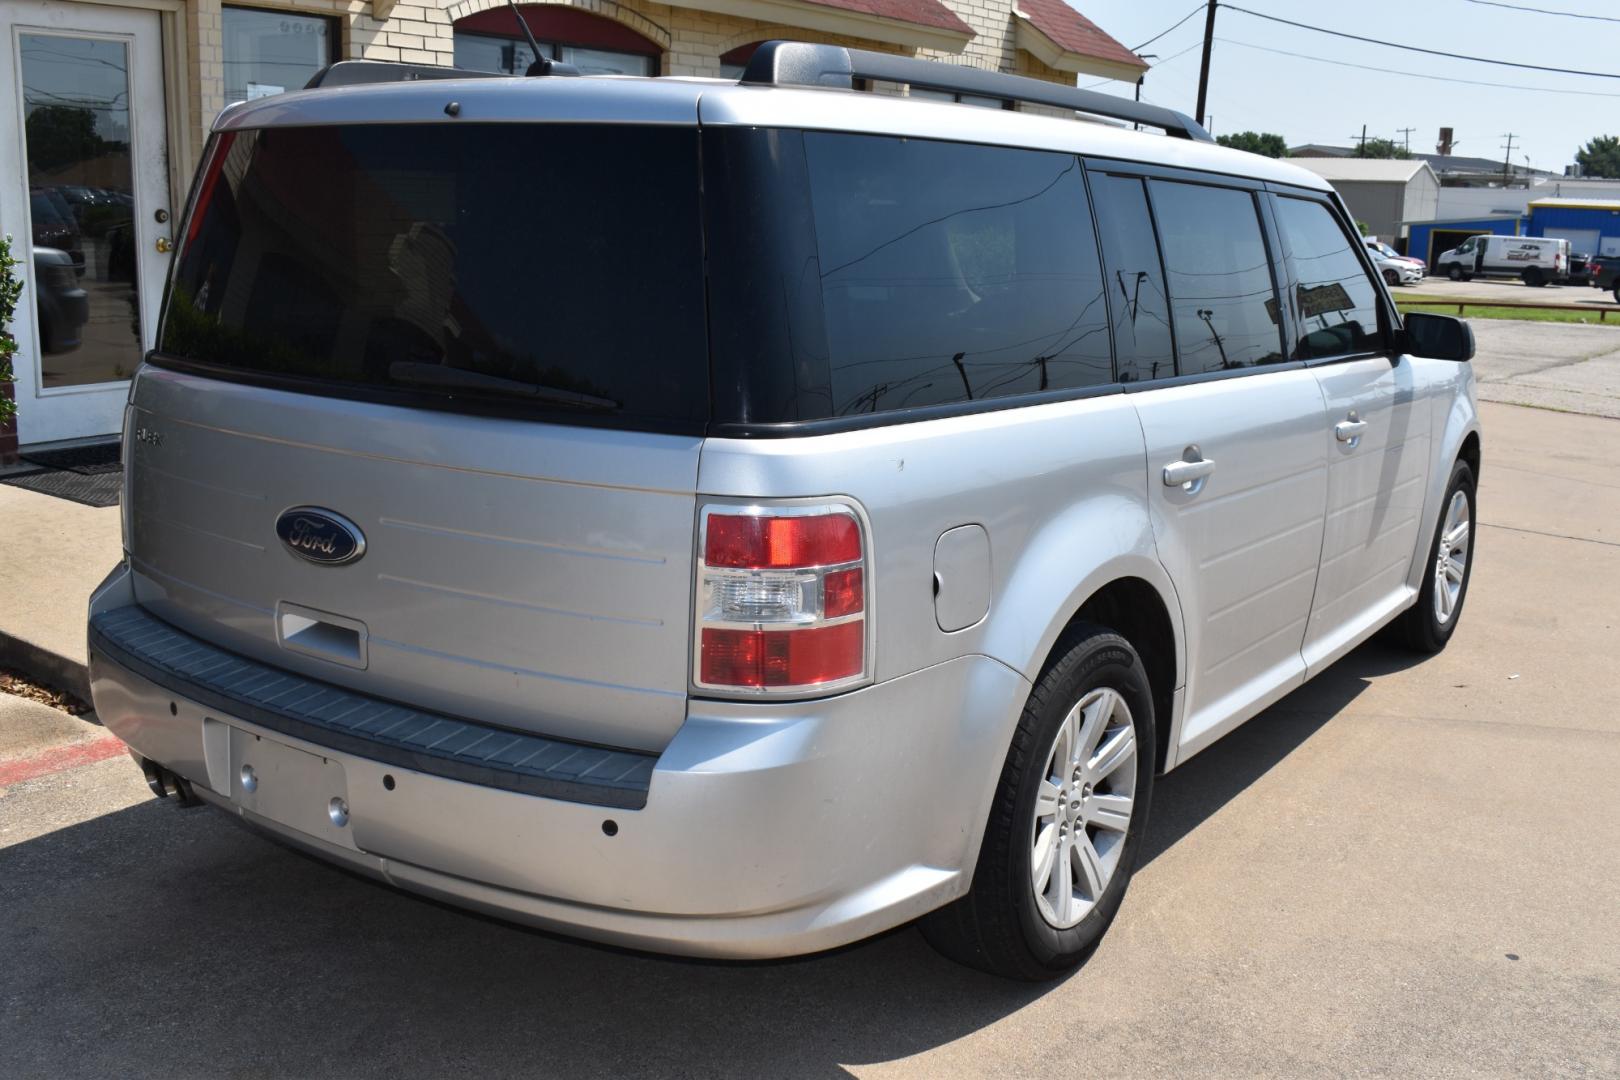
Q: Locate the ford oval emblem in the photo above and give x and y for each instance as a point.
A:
(320, 536)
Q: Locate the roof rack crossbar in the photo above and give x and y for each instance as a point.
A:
(797, 63)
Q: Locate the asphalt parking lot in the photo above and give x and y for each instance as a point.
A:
(1404, 869)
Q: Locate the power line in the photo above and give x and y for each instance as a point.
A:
(1419, 49)
(1545, 11)
(1415, 74)
(1177, 26)
(1173, 56)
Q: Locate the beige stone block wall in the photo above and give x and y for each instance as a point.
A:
(421, 32)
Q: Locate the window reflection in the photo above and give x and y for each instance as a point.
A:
(1335, 306)
(268, 52)
(76, 132)
(1221, 292)
(1143, 348)
(953, 272)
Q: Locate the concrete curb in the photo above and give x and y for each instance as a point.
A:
(44, 666)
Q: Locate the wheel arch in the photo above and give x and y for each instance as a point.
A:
(1133, 608)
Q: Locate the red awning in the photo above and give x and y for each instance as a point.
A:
(930, 13)
(1073, 33)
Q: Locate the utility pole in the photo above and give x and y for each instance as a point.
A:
(1507, 160)
(1406, 138)
(1361, 144)
(1203, 67)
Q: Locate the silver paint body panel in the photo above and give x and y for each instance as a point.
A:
(540, 577)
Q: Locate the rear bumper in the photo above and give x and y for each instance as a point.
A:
(768, 830)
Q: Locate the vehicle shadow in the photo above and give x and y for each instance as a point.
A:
(156, 940)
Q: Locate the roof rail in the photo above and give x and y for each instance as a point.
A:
(796, 63)
(361, 72)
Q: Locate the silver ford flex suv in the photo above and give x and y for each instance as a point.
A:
(737, 518)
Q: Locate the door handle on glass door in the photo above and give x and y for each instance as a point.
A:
(1190, 472)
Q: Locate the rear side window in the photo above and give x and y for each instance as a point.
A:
(1222, 299)
(953, 272)
(1143, 347)
(548, 267)
(1335, 304)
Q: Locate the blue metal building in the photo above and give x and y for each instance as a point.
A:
(1592, 226)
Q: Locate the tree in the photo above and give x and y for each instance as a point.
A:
(1256, 142)
(1382, 148)
(1601, 157)
(61, 135)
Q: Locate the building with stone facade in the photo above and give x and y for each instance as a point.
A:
(105, 107)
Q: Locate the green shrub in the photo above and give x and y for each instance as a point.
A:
(10, 290)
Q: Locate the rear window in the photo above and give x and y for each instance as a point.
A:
(861, 274)
(554, 268)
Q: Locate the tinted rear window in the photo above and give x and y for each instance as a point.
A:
(859, 274)
(953, 273)
(556, 268)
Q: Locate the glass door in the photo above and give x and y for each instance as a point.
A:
(87, 206)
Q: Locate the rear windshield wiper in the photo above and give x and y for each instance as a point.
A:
(454, 378)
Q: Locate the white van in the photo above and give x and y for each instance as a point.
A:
(1534, 259)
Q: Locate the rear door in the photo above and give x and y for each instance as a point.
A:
(425, 417)
(1236, 470)
(1376, 435)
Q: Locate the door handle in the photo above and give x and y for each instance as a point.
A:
(1190, 472)
(1349, 429)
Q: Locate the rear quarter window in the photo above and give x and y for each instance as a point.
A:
(953, 272)
(553, 268)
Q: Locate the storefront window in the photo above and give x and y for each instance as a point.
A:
(268, 52)
(512, 56)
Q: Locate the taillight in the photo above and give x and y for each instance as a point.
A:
(782, 599)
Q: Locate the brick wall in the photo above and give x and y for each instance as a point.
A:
(693, 41)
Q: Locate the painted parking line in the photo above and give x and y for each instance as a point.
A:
(60, 758)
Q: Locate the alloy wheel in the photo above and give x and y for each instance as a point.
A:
(1451, 558)
(1084, 807)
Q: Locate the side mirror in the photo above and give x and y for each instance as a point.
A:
(1439, 337)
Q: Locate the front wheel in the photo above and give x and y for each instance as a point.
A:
(1454, 272)
(1067, 820)
(1617, 292)
(1429, 625)
(1392, 278)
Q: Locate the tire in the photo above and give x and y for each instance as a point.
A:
(1392, 278)
(1428, 625)
(1617, 291)
(1092, 692)
(1532, 277)
(1454, 272)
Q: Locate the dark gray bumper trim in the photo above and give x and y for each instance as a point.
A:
(368, 727)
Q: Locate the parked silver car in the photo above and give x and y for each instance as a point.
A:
(736, 519)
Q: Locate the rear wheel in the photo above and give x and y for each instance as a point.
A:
(1532, 277)
(1067, 821)
(1429, 625)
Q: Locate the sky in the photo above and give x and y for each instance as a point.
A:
(1308, 100)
